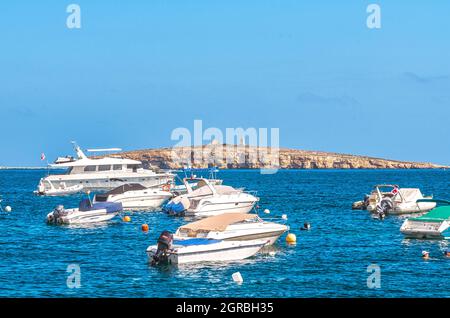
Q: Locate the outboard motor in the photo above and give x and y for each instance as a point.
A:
(58, 212)
(165, 241)
(384, 206)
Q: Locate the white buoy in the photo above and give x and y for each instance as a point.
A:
(237, 278)
(284, 216)
(266, 211)
(272, 253)
(8, 208)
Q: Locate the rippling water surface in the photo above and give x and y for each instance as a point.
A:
(329, 261)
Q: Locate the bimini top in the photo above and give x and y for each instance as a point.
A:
(217, 223)
(410, 194)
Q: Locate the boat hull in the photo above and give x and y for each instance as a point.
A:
(424, 230)
(407, 208)
(221, 208)
(108, 182)
(141, 202)
(74, 216)
(221, 252)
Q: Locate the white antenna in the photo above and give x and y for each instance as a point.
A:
(78, 150)
(104, 149)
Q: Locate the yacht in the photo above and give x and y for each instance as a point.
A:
(390, 199)
(87, 212)
(208, 200)
(232, 227)
(99, 174)
(170, 251)
(135, 196)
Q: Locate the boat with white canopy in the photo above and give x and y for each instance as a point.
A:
(390, 199)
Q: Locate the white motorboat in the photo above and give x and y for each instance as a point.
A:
(135, 196)
(208, 200)
(101, 174)
(169, 251)
(390, 199)
(432, 225)
(189, 174)
(87, 212)
(232, 227)
(62, 189)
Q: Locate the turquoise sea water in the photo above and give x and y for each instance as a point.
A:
(331, 260)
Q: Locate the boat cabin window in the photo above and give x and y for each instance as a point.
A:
(117, 167)
(104, 168)
(134, 167)
(90, 168)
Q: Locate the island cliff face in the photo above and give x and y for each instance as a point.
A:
(249, 157)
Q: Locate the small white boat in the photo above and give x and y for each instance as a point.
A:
(432, 225)
(87, 212)
(135, 196)
(390, 199)
(169, 251)
(232, 227)
(209, 200)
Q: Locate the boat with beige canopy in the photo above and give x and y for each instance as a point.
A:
(233, 227)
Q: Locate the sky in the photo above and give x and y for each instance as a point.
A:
(137, 70)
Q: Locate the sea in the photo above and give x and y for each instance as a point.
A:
(346, 253)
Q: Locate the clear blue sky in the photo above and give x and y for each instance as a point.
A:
(138, 69)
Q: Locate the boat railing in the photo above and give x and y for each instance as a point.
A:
(252, 192)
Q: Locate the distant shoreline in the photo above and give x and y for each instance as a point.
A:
(28, 168)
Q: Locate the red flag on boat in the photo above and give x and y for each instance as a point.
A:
(394, 191)
(42, 156)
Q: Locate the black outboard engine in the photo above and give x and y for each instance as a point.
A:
(384, 206)
(165, 241)
(58, 212)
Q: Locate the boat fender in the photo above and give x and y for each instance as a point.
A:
(291, 238)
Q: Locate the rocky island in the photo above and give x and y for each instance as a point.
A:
(251, 157)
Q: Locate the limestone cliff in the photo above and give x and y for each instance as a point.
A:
(232, 157)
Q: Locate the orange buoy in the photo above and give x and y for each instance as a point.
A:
(291, 238)
(126, 218)
(144, 227)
